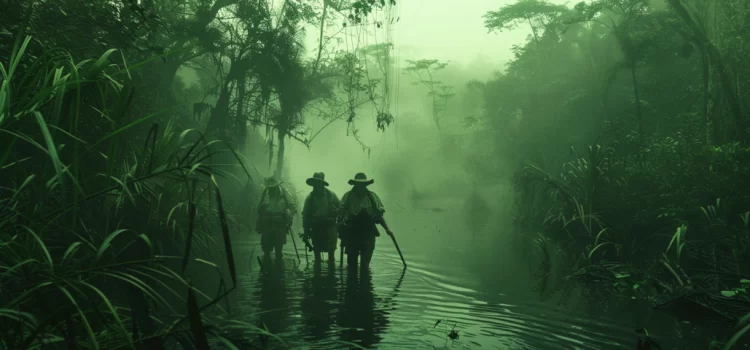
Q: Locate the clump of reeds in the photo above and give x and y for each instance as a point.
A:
(89, 221)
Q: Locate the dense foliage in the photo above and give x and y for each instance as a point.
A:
(122, 122)
(644, 105)
(113, 164)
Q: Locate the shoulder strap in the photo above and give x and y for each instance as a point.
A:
(345, 199)
(329, 201)
(372, 199)
(283, 196)
(309, 205)
(263, 196)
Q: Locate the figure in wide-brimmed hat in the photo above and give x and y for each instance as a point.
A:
(361, 179)
(319, 217)
(275, 215)
(360, 211)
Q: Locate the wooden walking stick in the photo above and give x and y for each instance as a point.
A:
(341, 255)
(393, 238)
(294, 242)
(342, 232)
(307, 259)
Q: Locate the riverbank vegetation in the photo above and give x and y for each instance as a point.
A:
(623, 122)
(628, 120)
(123, 123)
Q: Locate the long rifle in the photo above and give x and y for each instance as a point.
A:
(393, 238)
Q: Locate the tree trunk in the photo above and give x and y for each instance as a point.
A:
(715, 105)
(218, 124)
(729, 93)
(240, 118)
(638, 113)
(281, 138)
(320, 37)
(703, 41)
(712, 137)
(166, 71)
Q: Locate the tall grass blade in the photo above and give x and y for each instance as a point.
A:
(100, 64)
(120, 326)
(128, 127)
(82, 315)
(190, 233)
(224, 341)
(43, 246)
(18, 53)
(196, 324)
(225, 233)
(52, 149)
(72, 248)
(591, 253)
(18, 316)
(107, 243)
(736, 337)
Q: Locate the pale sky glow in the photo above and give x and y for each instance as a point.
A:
(452, 30)
(446, 30)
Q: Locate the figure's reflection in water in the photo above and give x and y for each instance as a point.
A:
(274, 298)
(362, 322)
(319, 296)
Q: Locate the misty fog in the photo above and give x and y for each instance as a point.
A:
(534, 174)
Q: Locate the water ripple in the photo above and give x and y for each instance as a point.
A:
(390, 308)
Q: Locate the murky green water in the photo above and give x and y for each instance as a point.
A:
(328, 307)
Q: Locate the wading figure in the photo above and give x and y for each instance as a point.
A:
(361, 209)
(319, 217)
(275, 214)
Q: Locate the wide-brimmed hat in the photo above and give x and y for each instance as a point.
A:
(361, 179)
(271, 182)
(316, 179)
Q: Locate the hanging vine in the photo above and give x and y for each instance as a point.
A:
(358, 69)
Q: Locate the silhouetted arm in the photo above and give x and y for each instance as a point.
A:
(379, 213)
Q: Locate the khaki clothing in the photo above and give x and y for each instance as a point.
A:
(361, 233)
(358, 217)
(274, 237)
(351, 205)
(277, 205)
(319, 219)
(275, 216)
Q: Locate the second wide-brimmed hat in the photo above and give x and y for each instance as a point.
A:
(361, 179)
(317, 178)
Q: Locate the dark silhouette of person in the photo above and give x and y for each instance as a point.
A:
(274, 299)
(319, 214)
(319, 299)
(362, 321)
(360, 211)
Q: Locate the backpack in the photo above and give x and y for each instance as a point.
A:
(328, 199)
(283, 196)
(370, 195)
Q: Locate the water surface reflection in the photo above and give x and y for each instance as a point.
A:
(319, 299)
(362, 322)
(326, 307)
(274, 297)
